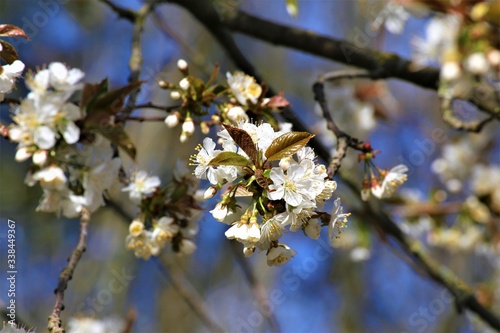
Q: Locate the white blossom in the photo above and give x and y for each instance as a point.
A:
(141, 184)
(394, 179)
(280, 255)
(441, 36)
(336, 215)
(393, 16)
(215, 175)
(52, 178)
(8, 75)
(313, 229)
(237, 115)
(244, 88)
(293, 187)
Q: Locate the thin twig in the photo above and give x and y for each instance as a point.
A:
(129, 323)
(142, 119)
(257, 288)
(136, 59)
(345, 74)
(344, 140)
(54, 325)
(158, 107)
(454, 122)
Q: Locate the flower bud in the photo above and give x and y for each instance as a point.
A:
(182, 65)
(205, 129)
(175, 95)
(313, 229)
(285, 163)
(450, 71)
(236, 114)
(172, 120)
(164, 84)
(493, 57)
(183, 138)
(477, 64)
(184, 84)
(188, 126)
(215, 119)
(248, 251)
(22, 154)
(209, 193)
(40, 157)
(187, 246)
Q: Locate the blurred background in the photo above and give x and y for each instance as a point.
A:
(363, 285)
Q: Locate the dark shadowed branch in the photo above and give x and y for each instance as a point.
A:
(66, 275)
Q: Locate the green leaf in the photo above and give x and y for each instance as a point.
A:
(287, 144)
(117, 135)
(292, 7)
(244, 140)
(229, 158)
(10, 30)
(8, 53)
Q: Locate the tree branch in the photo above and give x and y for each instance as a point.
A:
(54, 325)
(136, 59)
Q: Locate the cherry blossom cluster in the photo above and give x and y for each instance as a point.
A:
(73, 171)
(168, 215)
(270, 184)
(237, 101)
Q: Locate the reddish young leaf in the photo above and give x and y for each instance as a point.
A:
(9, 30)
(8, 53)
(244, 140)
(278, 101)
